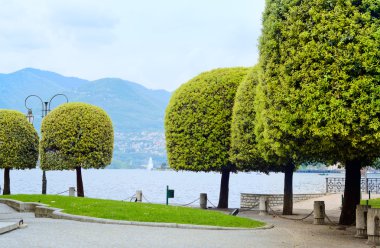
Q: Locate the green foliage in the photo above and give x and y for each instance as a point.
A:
(76, 135)
(321, 75)
(131, 211)
(198, 121)
(244, 151)
(18, 141)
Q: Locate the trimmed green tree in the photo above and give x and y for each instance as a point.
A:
(75, 136)
(18, 144)
(321, 83)
(244, 152)
(249, 151)
(198, 124)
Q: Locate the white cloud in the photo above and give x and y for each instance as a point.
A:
(160, 44)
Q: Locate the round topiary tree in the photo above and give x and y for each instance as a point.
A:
(18, 144)
(321, 82)
(75, 136)
(198, 124)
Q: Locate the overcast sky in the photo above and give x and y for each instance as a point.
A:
(157, 43)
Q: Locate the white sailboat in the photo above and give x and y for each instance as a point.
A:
(150, 164)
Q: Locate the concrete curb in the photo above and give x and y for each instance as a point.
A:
(8, 226)
(43, 211)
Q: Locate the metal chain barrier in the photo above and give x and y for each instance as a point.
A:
(145, 198)
(332, 223)
(190, 202)
(286, 218)
(130, 198)
(211, 203)
(62, 192)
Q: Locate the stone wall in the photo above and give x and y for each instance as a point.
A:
(252, 200)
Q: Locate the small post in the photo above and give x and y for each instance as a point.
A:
(369, 194)
(373, 225)
(71, 191)
(327, 185)
(139, 196)
(263, 205)
(319, 212)
(203, 200)
(169, 194)
(361, 221)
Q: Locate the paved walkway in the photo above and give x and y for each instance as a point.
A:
(43, 232)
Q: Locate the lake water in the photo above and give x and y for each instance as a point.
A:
(122, 184)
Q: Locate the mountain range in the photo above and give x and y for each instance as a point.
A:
(136, 112)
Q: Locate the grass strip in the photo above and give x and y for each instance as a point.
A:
(144, 212)
(374, 203)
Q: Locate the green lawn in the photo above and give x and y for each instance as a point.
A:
(131, 211)
(375, 203)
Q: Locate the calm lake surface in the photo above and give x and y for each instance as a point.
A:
(121, 184)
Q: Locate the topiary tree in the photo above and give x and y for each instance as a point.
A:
(248, 150)
(198, 123)
(75, 136)
(18, 144)
(244, 152)
(321, 81)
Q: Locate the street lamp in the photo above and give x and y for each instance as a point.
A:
(45, 109)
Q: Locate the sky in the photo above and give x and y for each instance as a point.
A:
(160, 44)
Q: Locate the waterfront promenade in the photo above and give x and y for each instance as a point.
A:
(44, 232)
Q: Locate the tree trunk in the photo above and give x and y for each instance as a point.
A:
(351, 192)
(44, 182)
(223, 195)
(80, 192)
(7, 182)
(288, 190)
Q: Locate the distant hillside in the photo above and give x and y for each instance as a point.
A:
(131, 105)
(137, 112)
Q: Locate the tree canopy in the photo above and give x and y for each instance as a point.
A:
(18, 141)
(76, 134)
(198, 120)
(198, 124)
(18, 144)
(321, 75)
(244, 152)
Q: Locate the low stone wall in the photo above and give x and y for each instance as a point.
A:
(20, 206)
(251, 200)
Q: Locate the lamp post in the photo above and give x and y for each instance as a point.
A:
(45, 109)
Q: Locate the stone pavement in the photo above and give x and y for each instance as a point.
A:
(44, 232)
(8, 220)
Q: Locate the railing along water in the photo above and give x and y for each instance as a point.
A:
(336, 184)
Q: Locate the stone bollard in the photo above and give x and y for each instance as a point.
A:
(373, 226)
(319, 213)
(139, 196)
(263, 205)
(71, 191)
(361, 221)
(203, 200)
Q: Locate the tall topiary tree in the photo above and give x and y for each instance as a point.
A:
(244, 152)
(18, 144)
(321, 82)
(249, 150)
(75, 136)
(198, 123)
